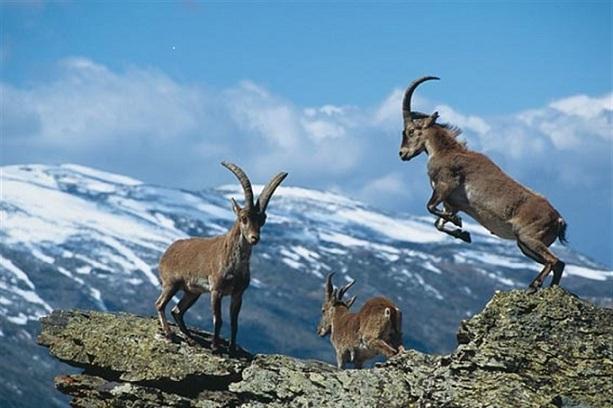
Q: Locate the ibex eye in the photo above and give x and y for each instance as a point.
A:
(244, 220)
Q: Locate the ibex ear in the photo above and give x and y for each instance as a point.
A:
(329, 288)
(262, 219)
(430, 120)
(351, 301)
(235, 207)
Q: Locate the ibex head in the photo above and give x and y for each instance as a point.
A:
(417, 126)
(252, 216)
(333, 298)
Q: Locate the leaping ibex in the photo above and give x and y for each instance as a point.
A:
(463, 180)
(356, 337)
(219, 265)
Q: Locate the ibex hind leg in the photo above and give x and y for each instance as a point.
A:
(558, 268)
(537, 251)
(179, 310)
(167, 293)
(382, 347)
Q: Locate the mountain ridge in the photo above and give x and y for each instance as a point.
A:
(75, 237)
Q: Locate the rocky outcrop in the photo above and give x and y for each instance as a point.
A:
(550, 349)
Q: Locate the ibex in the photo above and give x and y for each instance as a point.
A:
(219, 265)
(376, 329)
(463, 180)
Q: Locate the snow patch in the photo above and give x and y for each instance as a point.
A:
(305, 253)
(20, 319)
(257, 283)
(289, 254)
(427, 287)
(334, 251)
(137, 263)
(428, 266)
(498, 260)
(102, 175)
(387, 256)
(294, 193)
(5, 301)
(19, 274)
(38, 254)
(588, 273)
(342, 239)
(70, 276)
(84, 270)
(399, 230)
(291, 263)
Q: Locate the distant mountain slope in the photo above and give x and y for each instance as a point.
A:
(75, 237)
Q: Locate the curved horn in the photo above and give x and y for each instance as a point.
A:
(268, 191)
(341, 291)
(406, 100)
(329, 286)
(351, 301)
(243, 179)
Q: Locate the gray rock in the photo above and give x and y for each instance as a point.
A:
(549, 349)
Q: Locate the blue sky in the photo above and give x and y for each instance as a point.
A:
(164, 91)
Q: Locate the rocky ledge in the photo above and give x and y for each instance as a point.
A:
(549, 349)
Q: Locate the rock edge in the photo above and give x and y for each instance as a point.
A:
(550, 349)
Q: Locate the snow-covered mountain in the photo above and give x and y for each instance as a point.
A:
(75, 237)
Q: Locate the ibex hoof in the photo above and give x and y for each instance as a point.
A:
(465, 236)
(169, 336)
(457, 221)
(531, 290)
(191, 341)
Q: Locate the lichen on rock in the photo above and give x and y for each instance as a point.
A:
(549, 349)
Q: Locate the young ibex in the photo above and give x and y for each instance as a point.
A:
(356, 337)
(463, 180)
(219, 265)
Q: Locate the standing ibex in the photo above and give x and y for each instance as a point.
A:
(356, 337)
(219, 265)
(468, 181)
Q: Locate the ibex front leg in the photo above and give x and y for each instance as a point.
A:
(179, 310)
(235, 308)
(441, 191)
(341, 357)
(216, 310)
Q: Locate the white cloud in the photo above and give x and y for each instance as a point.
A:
(584, 106)
(390, 109)
(466, 122)
(576, 122)
(388, 185)
(321, 129)
(144, 123)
